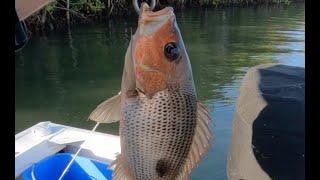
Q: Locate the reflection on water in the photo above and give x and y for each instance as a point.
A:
(62, 77)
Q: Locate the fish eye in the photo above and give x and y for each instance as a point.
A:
(171, 51)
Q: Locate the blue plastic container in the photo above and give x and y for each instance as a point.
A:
(82, 168)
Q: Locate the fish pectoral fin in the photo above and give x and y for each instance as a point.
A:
(200, 143)
(121, 171)
(108, 111)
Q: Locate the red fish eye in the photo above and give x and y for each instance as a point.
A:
(171, 51)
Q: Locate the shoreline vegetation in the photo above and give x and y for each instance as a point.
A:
(63, 13)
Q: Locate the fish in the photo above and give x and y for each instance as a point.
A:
(164, 130)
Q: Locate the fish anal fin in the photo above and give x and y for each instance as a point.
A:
(200, 144)
(121, 171)
(108, 111)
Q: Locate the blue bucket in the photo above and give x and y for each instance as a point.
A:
(82, 168)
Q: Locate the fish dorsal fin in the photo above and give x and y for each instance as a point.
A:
(200, 144)
(121, 171)
(108, 111)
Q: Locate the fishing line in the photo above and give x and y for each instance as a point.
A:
(77, 153)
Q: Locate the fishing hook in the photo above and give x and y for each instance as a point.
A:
(137, 8)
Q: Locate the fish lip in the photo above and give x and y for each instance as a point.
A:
(163, 14)
(150, 22)
(164, 11)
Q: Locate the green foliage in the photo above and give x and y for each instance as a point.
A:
(214, 2)
(93, 6)
(96, 6)
(283, 1)
(54, 14)
(233, 2)
(50, 8)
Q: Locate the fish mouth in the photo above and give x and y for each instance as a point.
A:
(150, 22)
(167, 11)
(163, 14)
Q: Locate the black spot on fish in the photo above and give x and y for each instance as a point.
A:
(162, 167)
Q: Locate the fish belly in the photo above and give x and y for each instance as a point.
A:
(157, 134)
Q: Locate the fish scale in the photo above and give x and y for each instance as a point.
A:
(160, 130)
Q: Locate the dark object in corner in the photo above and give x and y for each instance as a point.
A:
(21, 34)
(268, 130)
(24, 9)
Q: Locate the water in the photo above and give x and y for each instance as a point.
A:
(63, 76)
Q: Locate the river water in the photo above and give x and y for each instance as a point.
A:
(61, 77)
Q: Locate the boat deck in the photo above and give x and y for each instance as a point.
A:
(46, 138)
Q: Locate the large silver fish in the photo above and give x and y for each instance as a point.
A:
(164, 130)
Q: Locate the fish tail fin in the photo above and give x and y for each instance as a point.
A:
(121, 170)
(200, 144)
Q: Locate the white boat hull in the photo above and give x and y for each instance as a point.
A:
(46, 138)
